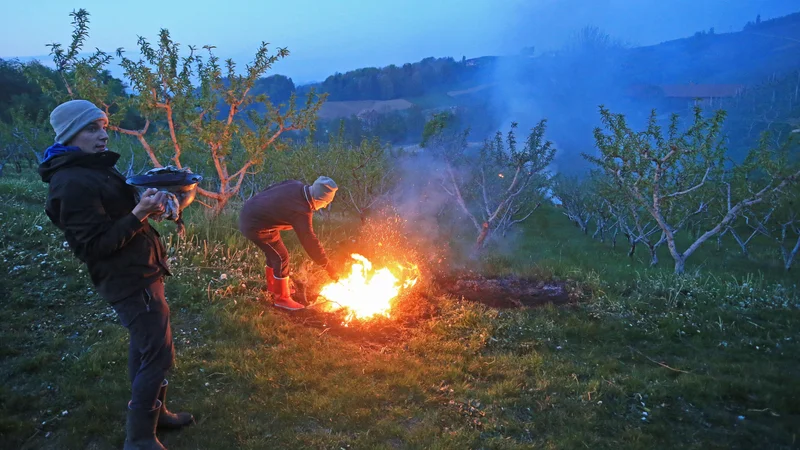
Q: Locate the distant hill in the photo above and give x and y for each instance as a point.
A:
(417, 79)
(745, 57)
(359, 108)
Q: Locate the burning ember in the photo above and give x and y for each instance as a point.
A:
(365, 292)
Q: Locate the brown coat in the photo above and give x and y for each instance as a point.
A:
(284, 206)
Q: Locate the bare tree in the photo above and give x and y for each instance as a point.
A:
(23, 139)
(201, 124)
(781, 224)
(673, 177)
(790, 234)
(499, 187)
(638, 227)
(576, 200)
(756, 224)
(604, 220)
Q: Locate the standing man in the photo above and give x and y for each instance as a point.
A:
(289, 205)
(105, 224)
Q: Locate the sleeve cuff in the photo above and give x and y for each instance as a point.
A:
(133, 223)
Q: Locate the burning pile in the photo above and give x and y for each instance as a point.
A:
(366, 293)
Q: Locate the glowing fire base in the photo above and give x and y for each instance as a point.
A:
(365, 293)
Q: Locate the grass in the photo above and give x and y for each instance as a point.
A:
(647, 360)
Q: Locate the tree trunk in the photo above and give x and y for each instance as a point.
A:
(653, 255)
(482, 237)
(217, 210)
(579, 224)
(789, 256)
(742, 244)
(600, 231)
(680, 265)
(680, 258)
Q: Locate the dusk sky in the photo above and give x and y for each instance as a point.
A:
(329, 36)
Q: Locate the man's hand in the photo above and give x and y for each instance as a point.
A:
(333, 271)
(152, 202)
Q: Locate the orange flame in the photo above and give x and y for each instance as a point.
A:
(365, 293)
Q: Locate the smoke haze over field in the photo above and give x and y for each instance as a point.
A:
(581, 55)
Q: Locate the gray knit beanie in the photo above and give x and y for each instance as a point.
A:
(69, 118)
(322, 192)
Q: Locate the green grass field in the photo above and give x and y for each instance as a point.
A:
(644, 359)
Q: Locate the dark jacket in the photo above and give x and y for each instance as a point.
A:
(89, 200)
(284, 206)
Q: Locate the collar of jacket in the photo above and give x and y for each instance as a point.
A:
(307, 194)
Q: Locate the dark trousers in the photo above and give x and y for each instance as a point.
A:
(269, 241)
(151, 354)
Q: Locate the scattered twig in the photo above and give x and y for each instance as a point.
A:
(32, 436)
(656, 362)
(772, 413)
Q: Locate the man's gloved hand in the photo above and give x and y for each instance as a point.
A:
(333, 271)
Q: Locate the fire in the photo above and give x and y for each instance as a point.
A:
(365, 292)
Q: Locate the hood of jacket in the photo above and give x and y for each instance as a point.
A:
(71, 158)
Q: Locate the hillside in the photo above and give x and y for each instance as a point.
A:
(339, 109)
(748, 56)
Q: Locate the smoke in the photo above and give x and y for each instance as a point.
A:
(566, 58)
(419, 196)
(565, 87)
(431, 218)
(434, 221)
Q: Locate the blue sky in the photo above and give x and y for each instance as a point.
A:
(339, 35)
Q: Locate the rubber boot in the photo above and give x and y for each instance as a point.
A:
(269, 274)
(283, 299)
(141, 429)
(171, 420)
(272, 283)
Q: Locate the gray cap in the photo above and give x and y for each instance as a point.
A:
(69, 118)
(322, 192)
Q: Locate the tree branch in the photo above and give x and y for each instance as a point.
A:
(697, 186)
